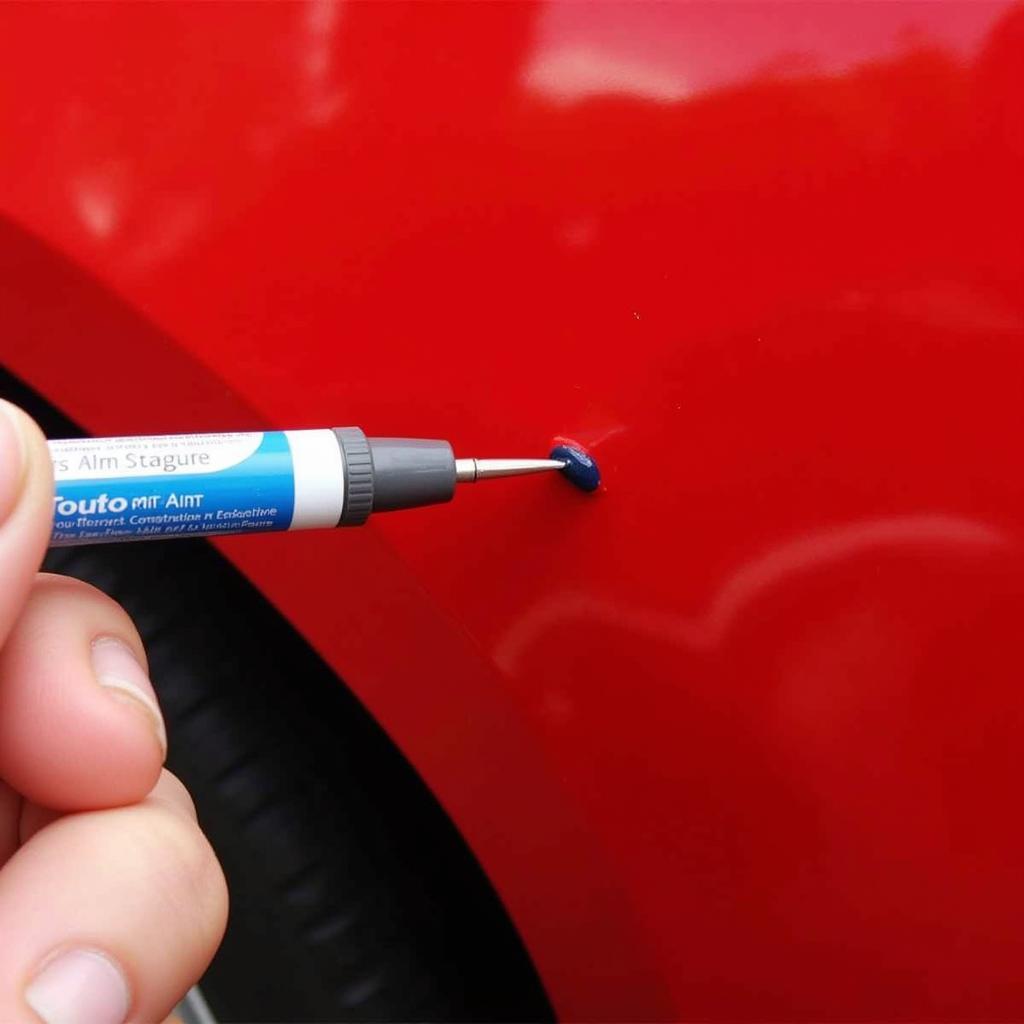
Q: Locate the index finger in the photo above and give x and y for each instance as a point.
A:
(80, 726)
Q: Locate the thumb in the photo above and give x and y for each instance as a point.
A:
(26, 512)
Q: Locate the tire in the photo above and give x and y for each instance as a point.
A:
(353, 897)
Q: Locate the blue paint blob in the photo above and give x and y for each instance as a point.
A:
(580, 468)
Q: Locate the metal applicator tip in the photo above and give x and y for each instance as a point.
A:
(468, 471)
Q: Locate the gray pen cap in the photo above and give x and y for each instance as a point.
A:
(387, 473)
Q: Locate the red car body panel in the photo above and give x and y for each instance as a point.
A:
(740, 736)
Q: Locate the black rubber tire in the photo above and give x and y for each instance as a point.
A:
(353, 897)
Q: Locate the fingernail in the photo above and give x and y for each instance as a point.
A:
(12, 459)
(81, 986)
(120, 673)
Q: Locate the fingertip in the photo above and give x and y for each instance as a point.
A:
(26, 498)
(13, 458)
(170, 792)
(119, 671)
(106, 607)
(112, 761)
(80, 725)
(24, 455)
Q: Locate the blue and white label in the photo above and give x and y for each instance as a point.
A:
(122, 488)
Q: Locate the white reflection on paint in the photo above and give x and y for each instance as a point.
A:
(95, 201)
(745, 586)
(324, 100)
(575, 73)
(667, 52)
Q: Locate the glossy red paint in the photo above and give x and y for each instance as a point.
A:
(738, 737)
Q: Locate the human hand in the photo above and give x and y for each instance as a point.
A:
(111, 900)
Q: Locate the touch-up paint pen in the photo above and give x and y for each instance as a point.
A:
(192, 485)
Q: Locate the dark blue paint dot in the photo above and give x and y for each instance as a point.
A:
(580, 468)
